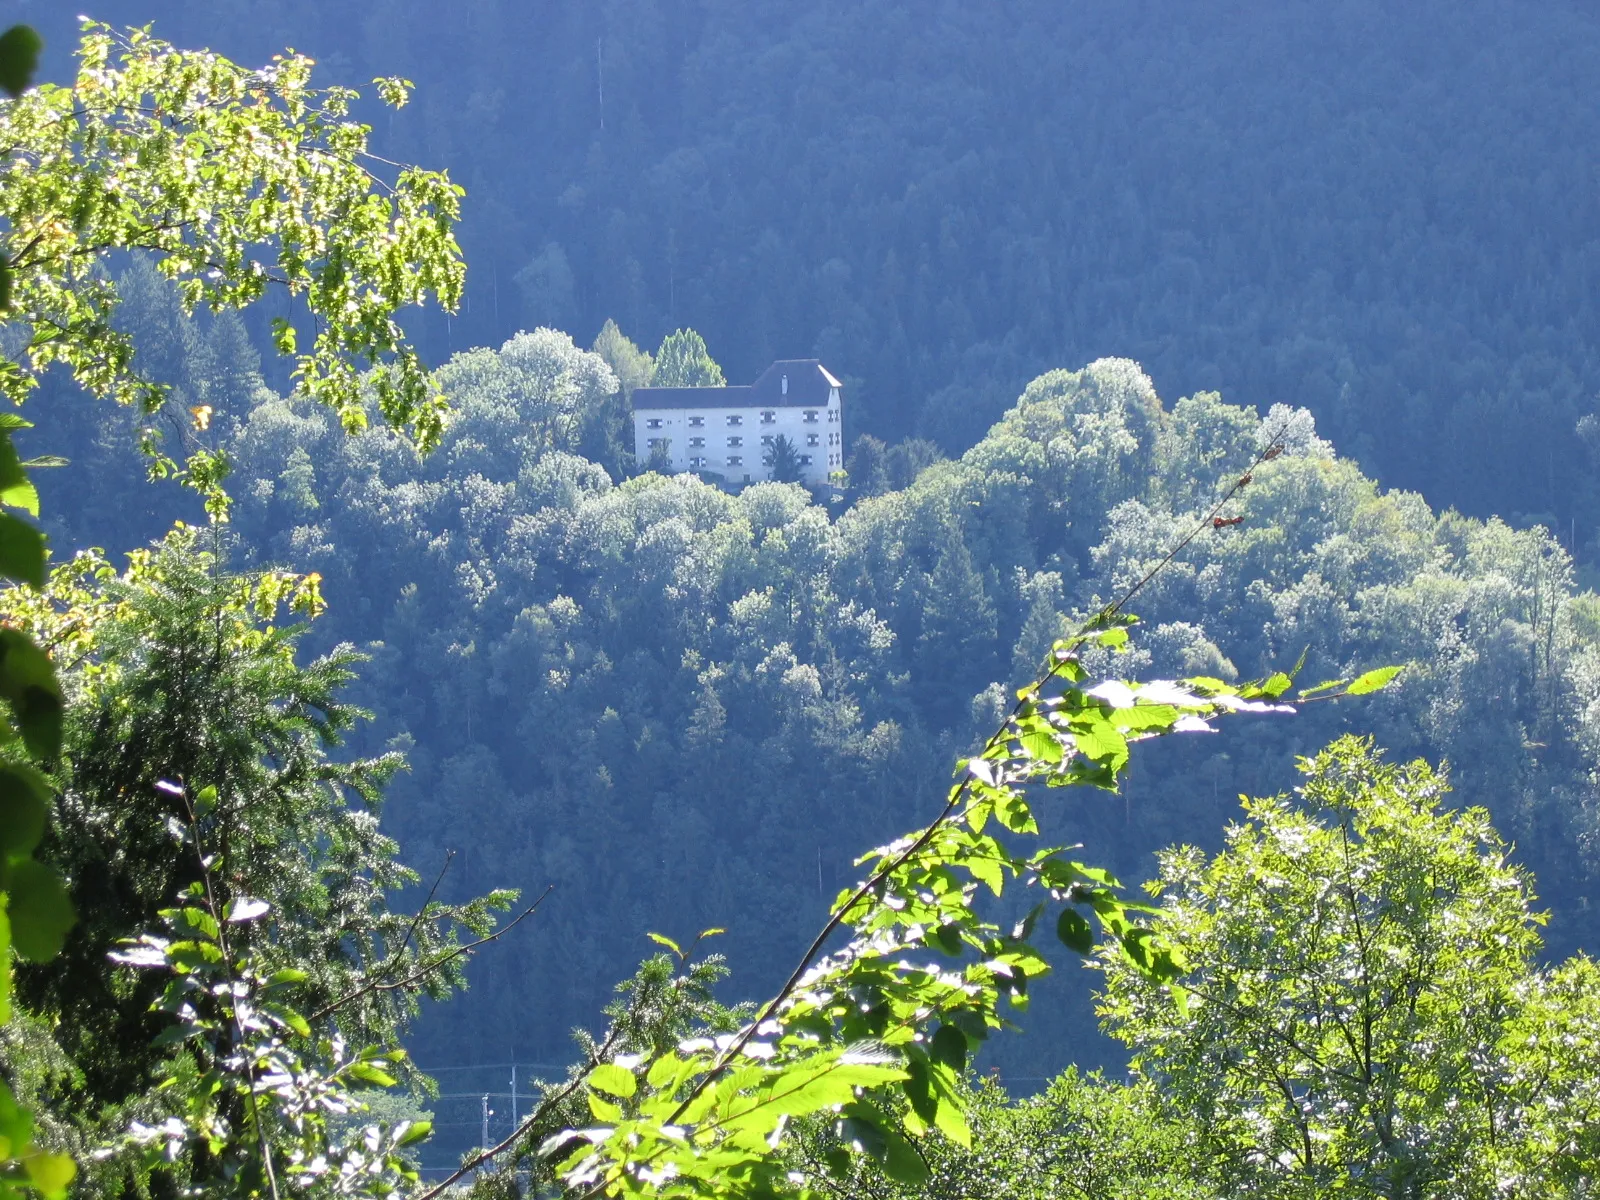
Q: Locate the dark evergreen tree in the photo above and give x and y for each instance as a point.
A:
(782, 460)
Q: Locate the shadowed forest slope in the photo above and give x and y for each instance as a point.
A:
(1387, 215)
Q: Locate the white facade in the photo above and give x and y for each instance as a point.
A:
(732, 441)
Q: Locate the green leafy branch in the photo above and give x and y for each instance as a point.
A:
(919, 984)
(268, 1082)
(234, 180)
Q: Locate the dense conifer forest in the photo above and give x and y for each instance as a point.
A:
(442, 725)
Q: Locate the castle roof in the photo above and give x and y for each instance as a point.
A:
(788, 382)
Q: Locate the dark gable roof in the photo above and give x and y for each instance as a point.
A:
(809, 384)
(692, 397)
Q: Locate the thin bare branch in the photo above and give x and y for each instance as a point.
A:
(423, 972)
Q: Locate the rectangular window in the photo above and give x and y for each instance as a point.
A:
(696, 422)
(697, 462)
(735, 419)
(767, 418)
(697, 442)
(805, 460)
(813, 440)
(653, 423)
(735, 460)
(658, 443)
(766, 439)
(811, 416)
(736, 441)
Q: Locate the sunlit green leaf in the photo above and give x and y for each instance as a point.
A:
(608, 1077)
(1075, 931)
(1372, 681)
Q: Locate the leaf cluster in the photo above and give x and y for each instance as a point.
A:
(891, 1017)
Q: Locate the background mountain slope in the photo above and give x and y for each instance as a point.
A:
(1388, 215)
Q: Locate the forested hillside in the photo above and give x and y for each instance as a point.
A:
(1384, 214)
(689, 709)
(1273, 326)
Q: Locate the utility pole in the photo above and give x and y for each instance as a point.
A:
(485, 1143)
(513, 1095)
(600, 78)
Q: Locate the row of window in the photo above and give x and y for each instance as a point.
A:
(696, 443)
(699, 461)
(808, 416)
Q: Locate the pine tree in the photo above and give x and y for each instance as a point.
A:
(955, 650)
(183, 683)
(684, 361)
(782, 460)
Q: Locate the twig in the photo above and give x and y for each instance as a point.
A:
(957, 794)
(416, 921)
(549, 1102)
(1271, 450)
(233, 1011)
(375, 986)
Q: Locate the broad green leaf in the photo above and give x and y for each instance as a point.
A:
(919, 1091)
(24, 808)
(1144, 717)
(409, 1133)
(1074, 930)
(40, 910)
(19, 59)
(1371, 681)
(1041, 747)
(367, 1073)
(28, 681)
(949, 1046)
(1102, 743)
(176, 1035)
(864, 1136)
(16, 489)
(50, 1173)
(987, 870)
(950, 1120)
(1113, 639)
(1016, 816)
(201, 921)
(21, 551)
(615, 1080)
(662, 939)
(901, 1160)
(1275, 685)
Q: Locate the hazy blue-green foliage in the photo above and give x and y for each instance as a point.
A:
(1081, 1137)
(640, 690)
(228, 179)
(1362, 1013)
(682, 360)
(177, 672)
(1384, 215)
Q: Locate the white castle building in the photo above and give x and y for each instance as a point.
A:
(729, 431)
